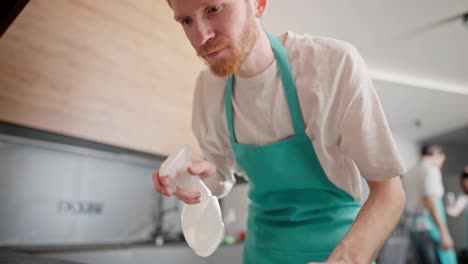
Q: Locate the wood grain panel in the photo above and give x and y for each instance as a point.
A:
(115, 71)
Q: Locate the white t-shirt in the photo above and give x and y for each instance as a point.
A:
(462, 201)
(423, 180)
(342, 113)
(456, 206)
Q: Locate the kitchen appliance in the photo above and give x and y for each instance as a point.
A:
(55, 194)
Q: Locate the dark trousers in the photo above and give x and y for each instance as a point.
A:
(425, 247)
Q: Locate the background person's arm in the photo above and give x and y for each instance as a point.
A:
(446, 241)
(455, 210)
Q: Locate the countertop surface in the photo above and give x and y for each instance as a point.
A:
(13, 257)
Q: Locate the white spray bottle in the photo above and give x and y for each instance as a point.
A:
(202, 223)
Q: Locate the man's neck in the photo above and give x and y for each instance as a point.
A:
(260, 57)
(428, 160)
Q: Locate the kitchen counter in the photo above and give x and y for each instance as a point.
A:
(13, 257)
(146, 254)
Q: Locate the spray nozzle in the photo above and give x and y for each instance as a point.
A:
(175, 167)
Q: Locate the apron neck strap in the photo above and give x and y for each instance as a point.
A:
(288, 83)
(228, 102)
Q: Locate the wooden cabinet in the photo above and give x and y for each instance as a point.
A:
(114, 71)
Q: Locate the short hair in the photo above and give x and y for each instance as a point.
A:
(464, 173)
(429, 150)
(463, 177)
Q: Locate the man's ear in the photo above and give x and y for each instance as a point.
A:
(260, 8)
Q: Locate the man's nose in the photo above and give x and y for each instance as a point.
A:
(202, 32)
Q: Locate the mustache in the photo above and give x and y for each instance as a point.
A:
(211, 47)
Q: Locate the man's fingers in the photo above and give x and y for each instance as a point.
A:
(196, 168)
(188, 197)
(161, 184)
(156, 182)
(164, 181)
(201, 168)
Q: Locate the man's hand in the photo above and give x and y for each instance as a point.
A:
(201, 168)
(446, 241)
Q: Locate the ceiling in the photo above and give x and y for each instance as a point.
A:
(416, 60)
(420, 113)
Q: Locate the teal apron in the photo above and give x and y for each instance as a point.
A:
(445, 256)
(296, 214)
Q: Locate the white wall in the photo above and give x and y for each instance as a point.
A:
(409, 150)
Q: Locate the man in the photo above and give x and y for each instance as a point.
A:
(427, 218)
(456, 207)
(299, 117)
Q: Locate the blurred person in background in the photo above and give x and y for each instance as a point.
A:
(427, 218)
(455, 207)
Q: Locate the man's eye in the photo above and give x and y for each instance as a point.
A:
(213, 9)
(186, 21)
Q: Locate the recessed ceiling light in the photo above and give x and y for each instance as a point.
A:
(465, 19)
(417, 123)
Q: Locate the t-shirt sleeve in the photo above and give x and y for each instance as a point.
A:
(432, 183)
(209, 142)
(364, 131)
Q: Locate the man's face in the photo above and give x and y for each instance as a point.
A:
(465, 185)
(221, 31)
(439, 159)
